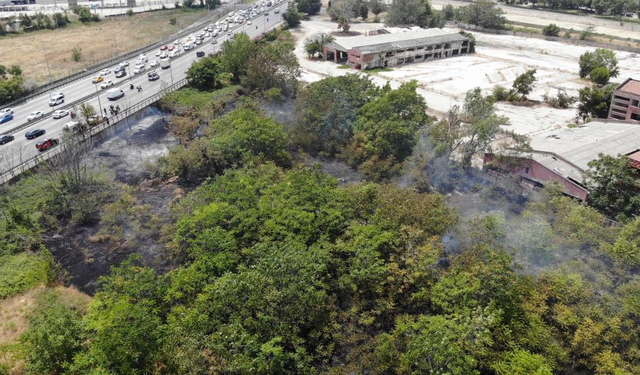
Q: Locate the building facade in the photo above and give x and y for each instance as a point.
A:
(388, 50)
(564, 155)
(625, 104)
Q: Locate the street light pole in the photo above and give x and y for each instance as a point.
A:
(171, 71)
(99, 103)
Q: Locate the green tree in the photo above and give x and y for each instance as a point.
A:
(407, 12)
(600, 75)
(595, 101)
(482, 13)
(364, 11)
(203, 74)
(326, 110)
(291, 17)
(448, 12)
(273, 65)
(76, 54)
(87, 111)
(385, 131)
(314, 44)
(599, 58)
(551, 30)
(614, 186)
(521, 362)
(523, 84)
(124, 322)
(54, 335)
(626, 248)
(377, 7)
(235, 53)
(470, 130)
(309, 7)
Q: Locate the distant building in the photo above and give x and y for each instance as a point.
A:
(625, 104)
(563, 155)
(387, 50)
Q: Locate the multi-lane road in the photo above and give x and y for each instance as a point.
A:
(84, 88)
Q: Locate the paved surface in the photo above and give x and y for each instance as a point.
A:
(21, 149)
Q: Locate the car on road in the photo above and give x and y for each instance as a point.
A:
(248, 22)
(276, 11)
(124, 64)
(229, 33)
(6, 118)
(46, 144)
(165, 63)
(56, 101)
(200, 54)
(153, 76)
(142, 57)
(174, 53)
(215, 41)
(164, 47)
(198, 42)
(176, 42)
(60, 113)
(153, 64)
(121, 73)
(158, 53)
(105, 72)
(115, 94)
(170, 48)
(97, 79)
(163, 55)
(6, 138)
(71, 126)
(139, 68)
(35, 115)
(34, 133)
(5, 111)
(106, 84)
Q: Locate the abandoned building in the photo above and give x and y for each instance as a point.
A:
(386, 50)
(625, 104)
(564, 155)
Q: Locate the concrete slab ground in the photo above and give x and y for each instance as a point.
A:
(499, 59)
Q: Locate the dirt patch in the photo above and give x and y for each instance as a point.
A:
(348, 33)
(83, 251)
(98, 41)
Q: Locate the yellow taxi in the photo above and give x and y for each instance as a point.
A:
(98, 79)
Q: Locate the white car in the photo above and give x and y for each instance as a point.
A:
(57, 95)
(158, 53)
(35, 115)
(106, 84)
(164, 55)
(139, 69)
(176, 42)
(154, 63)
(142, 57)
(70, 126)
(248, 22)
(60, 113)
(124, 64)
(6, 111)
(104, 72)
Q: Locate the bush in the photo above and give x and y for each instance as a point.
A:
(551, 30)
(600, 75)
(129, 12)
(562, 100)
(21, 272)
(76, 54)
(501, 93)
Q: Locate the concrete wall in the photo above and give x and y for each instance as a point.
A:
(625, 106)
(537, 173)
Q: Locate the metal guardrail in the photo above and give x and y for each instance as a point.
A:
(90, 132)
(108, 63)
(31, 163)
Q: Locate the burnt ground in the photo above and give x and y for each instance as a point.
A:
(123, 156)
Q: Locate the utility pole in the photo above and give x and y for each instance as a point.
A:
(99, 103)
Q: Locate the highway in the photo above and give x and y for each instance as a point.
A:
(22, 149)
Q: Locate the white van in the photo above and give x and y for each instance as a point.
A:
(115, 94)
(165, 63)
(187, 46)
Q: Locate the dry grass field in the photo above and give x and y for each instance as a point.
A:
(97, 40)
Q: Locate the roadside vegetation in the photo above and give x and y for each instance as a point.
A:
(279, 269)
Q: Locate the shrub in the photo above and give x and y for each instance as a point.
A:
(561, 100)
(129, 12)
(21, 272)
(551, 30)
(76, 54)
(501, 93)
(600, 75)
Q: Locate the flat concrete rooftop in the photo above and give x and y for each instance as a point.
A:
(398, 40)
